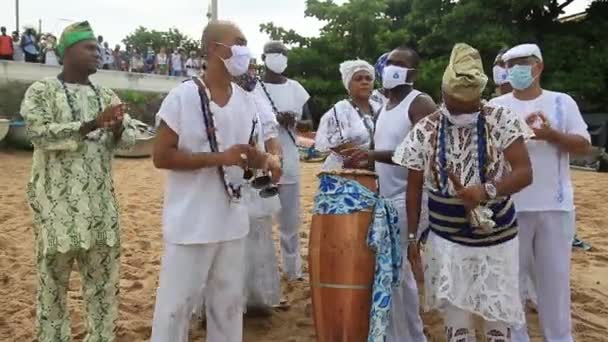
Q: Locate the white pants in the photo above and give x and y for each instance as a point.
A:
(405, 322)
(289, 228)
(459, 327)
(189, 272)
(262, 282)
(545, 248)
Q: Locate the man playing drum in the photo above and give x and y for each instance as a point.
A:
(404, 108)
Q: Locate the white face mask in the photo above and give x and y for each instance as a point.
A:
(238, 63)
(394, 76)
(461, 120)
(276, 62)
(500, 75)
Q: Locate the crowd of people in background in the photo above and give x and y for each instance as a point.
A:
(33, 48)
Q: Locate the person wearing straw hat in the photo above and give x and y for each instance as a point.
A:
(546, 208)
(471, 157)
(75, 126)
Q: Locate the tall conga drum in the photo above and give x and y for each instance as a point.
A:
(341, 268)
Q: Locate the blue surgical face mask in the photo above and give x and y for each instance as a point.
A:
(520, 76)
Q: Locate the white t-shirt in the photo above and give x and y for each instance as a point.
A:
(268, 121)
(176, 61)
(551, 188)
(193, 67)
(289, 96)
(51, 58)
(342, 123)
(197, 208)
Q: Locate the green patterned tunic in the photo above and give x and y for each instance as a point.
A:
(71, 191)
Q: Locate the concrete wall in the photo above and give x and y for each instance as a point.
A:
(31, 72)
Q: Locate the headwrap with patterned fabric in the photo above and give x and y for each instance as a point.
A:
(73, 34)
(464, 78)
(380, 64)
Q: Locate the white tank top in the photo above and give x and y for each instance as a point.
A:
(391, 128)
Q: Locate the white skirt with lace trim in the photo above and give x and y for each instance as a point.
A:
(480, 280)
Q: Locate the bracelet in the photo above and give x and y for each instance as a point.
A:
(411, 238)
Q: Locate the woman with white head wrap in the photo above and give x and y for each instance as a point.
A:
(349, 123)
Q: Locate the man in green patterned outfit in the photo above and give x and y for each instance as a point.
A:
(75, 127)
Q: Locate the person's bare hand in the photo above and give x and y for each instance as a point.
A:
(355, 158)
(286, 119)
(274, 166)
(237, 155)
(471, 196)
(112, 116)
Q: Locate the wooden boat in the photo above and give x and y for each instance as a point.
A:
(4, 127)
(17, 136)
(143, 145)
(342, 270)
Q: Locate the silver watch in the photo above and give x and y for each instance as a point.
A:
(411, 237)
(490, 190)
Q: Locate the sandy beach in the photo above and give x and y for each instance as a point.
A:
(139, 186)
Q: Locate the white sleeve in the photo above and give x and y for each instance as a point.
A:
(330, 133)
(302, 95)
(574, 119)
(170, 111)
(268, 121)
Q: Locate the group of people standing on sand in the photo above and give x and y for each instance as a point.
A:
(483, 186)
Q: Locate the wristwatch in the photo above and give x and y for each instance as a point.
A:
(411, 237)
(490, 190)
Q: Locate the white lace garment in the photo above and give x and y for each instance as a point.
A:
(343, 125)
(481, 280)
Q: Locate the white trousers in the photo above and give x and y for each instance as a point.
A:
(405, 321)
(262, 282)
(459, 327)
(545, 248)
(189, 272)
(289, 229)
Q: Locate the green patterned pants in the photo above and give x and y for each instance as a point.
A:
(99, 271)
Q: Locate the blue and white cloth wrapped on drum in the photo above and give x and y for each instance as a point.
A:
(338, 195)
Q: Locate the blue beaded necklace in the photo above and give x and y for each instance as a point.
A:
(442, 154)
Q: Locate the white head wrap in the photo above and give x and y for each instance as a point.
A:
(349, 68)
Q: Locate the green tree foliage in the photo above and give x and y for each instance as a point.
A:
(575, 52)
(142, 38)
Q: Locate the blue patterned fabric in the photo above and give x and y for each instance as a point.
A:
(343, 196)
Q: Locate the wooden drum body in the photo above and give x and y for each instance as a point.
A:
(341, 267)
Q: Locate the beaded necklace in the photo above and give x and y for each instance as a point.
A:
(233, 190)
(479, 139)
(370, 128)
(72, 105)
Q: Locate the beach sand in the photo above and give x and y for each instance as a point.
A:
(139, 187)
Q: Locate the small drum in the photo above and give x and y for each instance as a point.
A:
(341, 267)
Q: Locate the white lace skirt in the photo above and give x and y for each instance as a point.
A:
(262, 282)
(480, 280)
